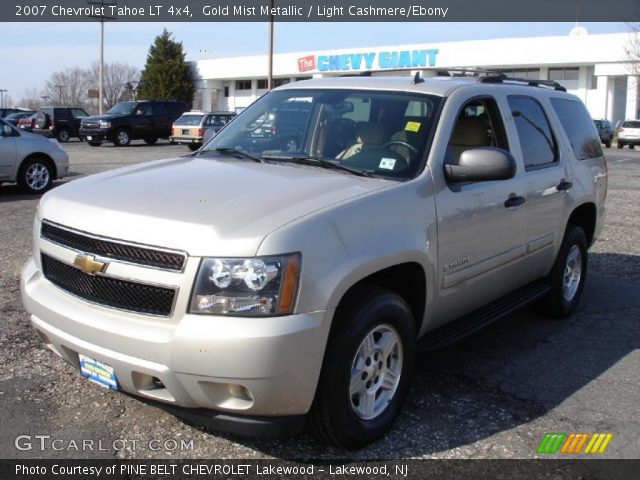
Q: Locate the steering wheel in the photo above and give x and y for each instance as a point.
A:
(399, 142)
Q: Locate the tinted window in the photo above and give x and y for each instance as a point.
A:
(159, 109)
(631, 124)
(62, 113)
(536, 140)
(78, 113)
(577, 125)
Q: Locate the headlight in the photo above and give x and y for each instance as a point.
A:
(103, 124)
(257, 286)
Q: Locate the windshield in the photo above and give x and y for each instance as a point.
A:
(376, 132)
(193, 120)
(124, 108)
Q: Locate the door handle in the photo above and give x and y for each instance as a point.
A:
(564, 185)
(514, 201)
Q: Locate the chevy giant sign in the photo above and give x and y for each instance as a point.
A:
(369, 60)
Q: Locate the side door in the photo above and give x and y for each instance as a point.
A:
(8, 153)
(141, 120)
(161, 120)
(481, 240)
(547, 181)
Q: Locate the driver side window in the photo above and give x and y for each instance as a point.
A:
(478, 125)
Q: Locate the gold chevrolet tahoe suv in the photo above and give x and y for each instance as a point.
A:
(254, 287)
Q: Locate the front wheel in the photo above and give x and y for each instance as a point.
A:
(35, 176)
(567, 276)
(122, 138)
(367, 369)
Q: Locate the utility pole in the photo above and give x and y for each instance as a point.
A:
(270, 75)
(102, 4)
(46, 99)
(60, 87)
(2, 91)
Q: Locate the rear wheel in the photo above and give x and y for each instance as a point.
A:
(35, 175)
(567, 276)
(150, 140)
(122, 138)
(367, 369)
(63, 136)
(194, 146)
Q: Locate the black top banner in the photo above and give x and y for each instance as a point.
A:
(320, 11)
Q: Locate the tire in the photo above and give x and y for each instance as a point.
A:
(345, 420)
(150, 140)
(194, 146)
(35, 175)
(608, 144)
(42, 120)
(572, 260)
(95, 144)
(122, 138)
(620, 145)
(63, 136)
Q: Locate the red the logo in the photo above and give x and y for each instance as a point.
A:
(307, 63)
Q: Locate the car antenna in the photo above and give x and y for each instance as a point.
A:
(417, 78)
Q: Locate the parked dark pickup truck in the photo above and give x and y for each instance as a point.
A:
(144, 119)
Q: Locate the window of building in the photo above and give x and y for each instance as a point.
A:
(529, 73)
(536, 139)
(576, 123)
(564, 73)
(280, 81)
(262, 84)
(226, 92)
(298, 79)
(243, 84)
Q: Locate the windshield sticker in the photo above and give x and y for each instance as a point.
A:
(412, 126)
(387, 163)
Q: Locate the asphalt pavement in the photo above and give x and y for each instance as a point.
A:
(493, 395)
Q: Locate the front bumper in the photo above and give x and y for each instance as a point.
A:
(244, 367)
(97, 135)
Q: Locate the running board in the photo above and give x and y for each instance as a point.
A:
(474, 321)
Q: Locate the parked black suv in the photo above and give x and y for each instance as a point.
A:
(144, 119)
(605, 131)
(61, 123)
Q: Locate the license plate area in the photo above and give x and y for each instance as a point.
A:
(98, 372)
(185, 131)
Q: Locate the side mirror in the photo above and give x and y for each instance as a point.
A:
(7, 131)
(482, 164)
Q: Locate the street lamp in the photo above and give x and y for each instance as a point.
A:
(102, 17)
(46, 99)
(2, 91)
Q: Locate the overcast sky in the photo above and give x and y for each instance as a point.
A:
(31, 52)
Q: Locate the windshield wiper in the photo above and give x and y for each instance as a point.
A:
(234, 151)
(316, 161)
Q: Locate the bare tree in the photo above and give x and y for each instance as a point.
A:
(69, 87)
(633, 48)
(117, 77)
(31, 98)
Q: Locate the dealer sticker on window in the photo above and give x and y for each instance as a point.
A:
(98, 372)
(412, 126)
(387, 163)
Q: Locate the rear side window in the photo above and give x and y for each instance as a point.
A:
(193, 120)
(631, 124)
(576, 123)
(62, 113)
(536, 140)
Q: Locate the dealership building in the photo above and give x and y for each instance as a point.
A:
(596, 68)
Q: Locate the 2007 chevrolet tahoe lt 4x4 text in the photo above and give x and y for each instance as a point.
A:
(254, 285)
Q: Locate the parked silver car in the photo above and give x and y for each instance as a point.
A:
(254, 286)
(30, 160)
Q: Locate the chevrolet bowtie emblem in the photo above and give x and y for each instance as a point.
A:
(89, 264)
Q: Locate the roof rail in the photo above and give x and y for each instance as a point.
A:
(447, 72)
(502, 78)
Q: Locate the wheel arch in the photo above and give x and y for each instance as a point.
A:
(584, 216)
(41, 156)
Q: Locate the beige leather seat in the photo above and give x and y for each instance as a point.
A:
(468, 133)
(367, 135)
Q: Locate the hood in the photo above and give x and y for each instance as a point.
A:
(104, 116)
(202, 205)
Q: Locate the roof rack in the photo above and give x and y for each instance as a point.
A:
(446, 72)
(502, 78)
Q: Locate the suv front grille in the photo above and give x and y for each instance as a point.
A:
(109, 291)
(113, 249)
(89, 124)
